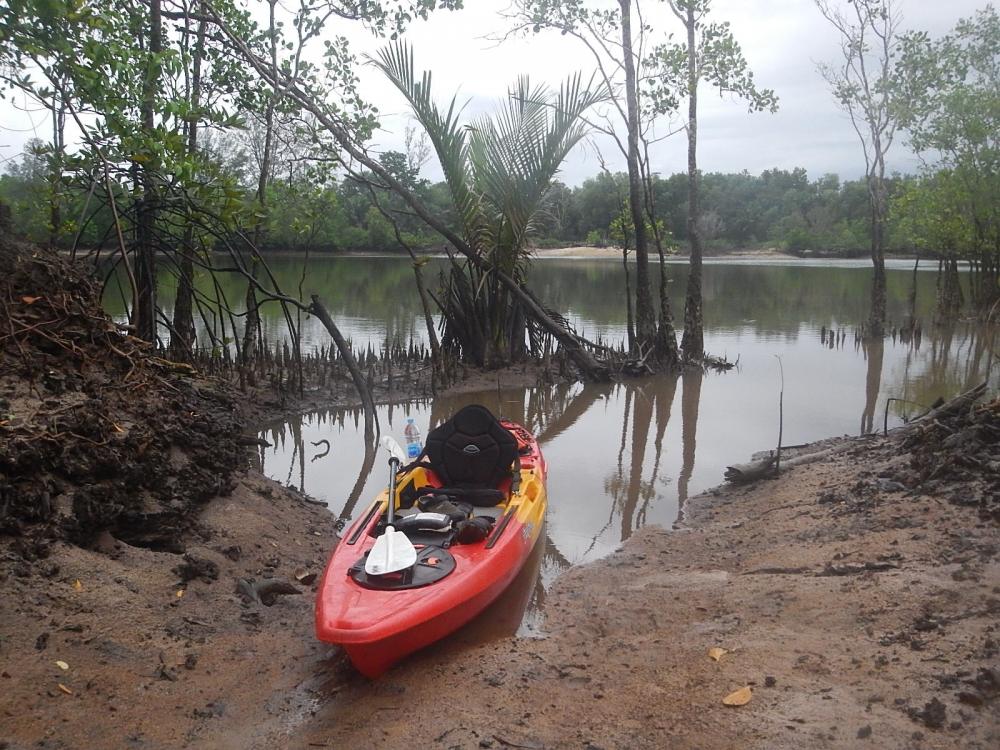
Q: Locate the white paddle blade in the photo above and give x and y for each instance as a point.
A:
(391, 552)
(393, 447)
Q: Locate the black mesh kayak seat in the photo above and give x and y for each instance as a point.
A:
(472, 453)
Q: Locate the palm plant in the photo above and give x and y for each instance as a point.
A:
(499, 171)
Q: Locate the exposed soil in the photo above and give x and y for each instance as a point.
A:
(858, 597)
(96, 433)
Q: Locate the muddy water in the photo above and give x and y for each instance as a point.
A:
(625, 455)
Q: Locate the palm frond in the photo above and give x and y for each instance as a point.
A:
(447, 135)
(516, 154)
(499, 171)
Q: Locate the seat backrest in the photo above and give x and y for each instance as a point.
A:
(472, 449)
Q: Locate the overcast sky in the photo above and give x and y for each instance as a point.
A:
(783, 40)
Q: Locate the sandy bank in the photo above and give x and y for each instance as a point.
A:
(855, 611)
(616, 253)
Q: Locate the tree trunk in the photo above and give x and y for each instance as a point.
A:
(693, 341)
(911, 323)
(987, 299)
(251, 326)
(55, 173)
(182, 341)
(629, 320)
(877, 195)
(251, 331)
(666, 337)
(645, 321)
(876, 321)
(950, 296)
(437, 361)
(145, 314)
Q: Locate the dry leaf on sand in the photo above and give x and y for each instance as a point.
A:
(715, 653)
(738, 697)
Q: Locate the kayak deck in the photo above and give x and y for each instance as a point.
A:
(379, 627)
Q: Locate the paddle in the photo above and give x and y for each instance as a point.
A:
(392, 551)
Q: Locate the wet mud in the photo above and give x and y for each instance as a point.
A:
(96, 433)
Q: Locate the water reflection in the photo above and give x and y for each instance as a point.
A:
(954, 359)
(616, 460)
(691, 397)
(625, 455)
(374, 300)
(874, 352)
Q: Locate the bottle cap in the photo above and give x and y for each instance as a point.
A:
(410, 419)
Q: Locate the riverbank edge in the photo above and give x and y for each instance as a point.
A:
(591, 252)
(640, 620)
(852, 610)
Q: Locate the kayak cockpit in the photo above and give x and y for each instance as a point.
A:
(468, 523)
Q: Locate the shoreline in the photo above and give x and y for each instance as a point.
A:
(587, 252)
(847, 618)
(615, 253)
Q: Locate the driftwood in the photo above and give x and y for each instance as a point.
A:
(265, 590)
(766, 466)
(961, 402)
(751, 472)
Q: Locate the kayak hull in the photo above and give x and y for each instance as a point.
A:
(372, 659)
(378, 628)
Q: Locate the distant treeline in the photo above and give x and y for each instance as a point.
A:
(778, 208)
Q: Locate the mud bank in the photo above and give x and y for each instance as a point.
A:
(856, 611)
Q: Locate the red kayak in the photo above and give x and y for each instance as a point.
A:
(472, 506)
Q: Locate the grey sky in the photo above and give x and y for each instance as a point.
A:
(782, 40)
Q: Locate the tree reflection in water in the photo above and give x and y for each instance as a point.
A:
(874, 351)
(961, 356)
(691, 397)
(616, 465)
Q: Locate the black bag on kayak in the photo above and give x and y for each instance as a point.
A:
(456, 511)
(474, 530)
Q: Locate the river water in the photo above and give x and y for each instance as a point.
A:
(629, 454)
(625, 455)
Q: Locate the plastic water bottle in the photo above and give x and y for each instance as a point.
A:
(413, 446)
